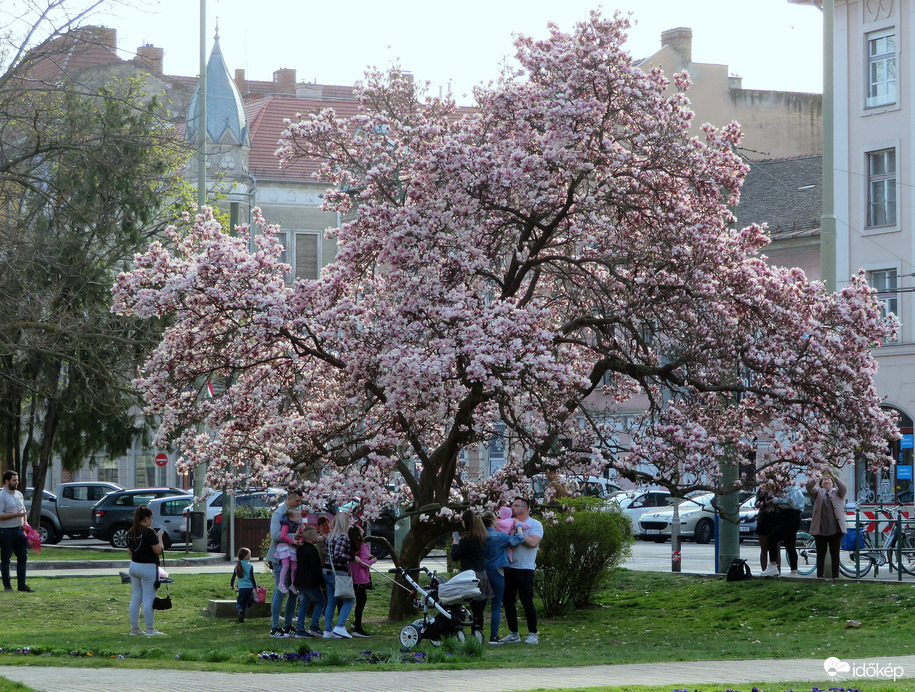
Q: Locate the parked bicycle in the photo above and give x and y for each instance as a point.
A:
(858, 563)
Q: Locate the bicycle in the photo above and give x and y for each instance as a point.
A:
(849, 565)
(857, 564)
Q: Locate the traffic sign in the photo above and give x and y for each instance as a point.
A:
(161, 459)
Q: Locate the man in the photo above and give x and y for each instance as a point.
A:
(12, 536)
(293, 501)
(555, 489)
(519, 575)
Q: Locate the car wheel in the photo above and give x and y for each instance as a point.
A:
(49, 535)
(705, 531)
(659, 539)
(118, 537)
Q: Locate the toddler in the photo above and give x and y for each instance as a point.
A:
(506, 524)
(290, 526)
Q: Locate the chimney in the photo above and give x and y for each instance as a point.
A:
(241, 83)
(285, 81)
(151, 56)
(681, 40)
(101, 36)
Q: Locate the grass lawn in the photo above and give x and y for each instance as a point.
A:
(640, 617)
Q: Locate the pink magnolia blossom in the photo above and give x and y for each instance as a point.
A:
(536, 263)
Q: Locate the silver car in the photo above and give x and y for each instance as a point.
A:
(697, 520)
(168, 515)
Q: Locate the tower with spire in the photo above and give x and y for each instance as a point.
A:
(228, 138)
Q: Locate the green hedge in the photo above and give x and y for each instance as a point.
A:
(583, 540)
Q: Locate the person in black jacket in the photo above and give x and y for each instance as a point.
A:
(468, 548)
(310, 582)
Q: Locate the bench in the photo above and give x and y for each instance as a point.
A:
(225, 608)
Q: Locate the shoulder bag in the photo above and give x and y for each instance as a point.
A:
(343, 583)
(162, 602)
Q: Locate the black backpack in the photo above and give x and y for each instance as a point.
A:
(738, 571)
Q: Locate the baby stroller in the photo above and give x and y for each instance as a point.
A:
(442, 602)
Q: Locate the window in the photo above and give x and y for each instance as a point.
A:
(302, 252)
(881, 68)
(884, 282)
(881, 188)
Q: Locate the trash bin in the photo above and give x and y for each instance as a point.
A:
(198, 524)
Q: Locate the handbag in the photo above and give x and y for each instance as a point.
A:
(260, 594)
(163, 602)
(343, 584)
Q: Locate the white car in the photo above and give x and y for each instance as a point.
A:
(635, 503)
(697, 520)
(168, 515)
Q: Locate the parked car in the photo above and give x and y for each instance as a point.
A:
(112, 517)
(70, 513)
(169, 515)
(748, 516)
(48, 528)
(640, 502)
(697, 520)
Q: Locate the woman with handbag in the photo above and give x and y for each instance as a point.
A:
(337, 579)
(144, 546)
(244, 572)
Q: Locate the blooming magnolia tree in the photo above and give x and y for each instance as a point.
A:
(533, 263)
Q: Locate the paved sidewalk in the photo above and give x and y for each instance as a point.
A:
(692, 674)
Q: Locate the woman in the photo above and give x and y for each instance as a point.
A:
(766, 521)
(362, 578)
(827, 526)
(340, 554)
(495, 555)
(789, 503)
(468, 547)
(144, 546)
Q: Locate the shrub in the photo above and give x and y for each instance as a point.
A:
(582, 542)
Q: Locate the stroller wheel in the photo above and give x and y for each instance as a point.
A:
(409, 636)
(459, 635)
(478, 635)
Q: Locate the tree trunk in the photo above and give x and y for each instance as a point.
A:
(40, 470)
(416, 545)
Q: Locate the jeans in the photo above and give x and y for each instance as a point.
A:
(243, 600)
(142, 590)
(520, 583)
(276, 602)
(308, 597)
(497, 582)
(345, 607)
(12, 540)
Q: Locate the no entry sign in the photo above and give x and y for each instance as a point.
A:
(161, 459)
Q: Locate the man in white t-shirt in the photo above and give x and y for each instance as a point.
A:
(12, 536)
(519, 575)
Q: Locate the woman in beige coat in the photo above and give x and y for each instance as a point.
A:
(828, 523)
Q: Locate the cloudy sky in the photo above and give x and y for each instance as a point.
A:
(772, 44)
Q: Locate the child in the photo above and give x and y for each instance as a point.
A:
(244, 572)
(310, 582)
(362, 579)
(506, 524)
(285, 549)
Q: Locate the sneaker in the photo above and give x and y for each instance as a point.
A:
(136, 632)
(7, 588)
(532, 638)
(154, 632)
(361, 633)
(316, 631)
(332, 635)
(294, 589)
(277, 633)
(289, 631)
(770, 571)
(303, 635)
(495, 641)
(511, 638)
(283, 588)
(342, 633)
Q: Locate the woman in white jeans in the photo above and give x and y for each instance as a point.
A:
(144, 546)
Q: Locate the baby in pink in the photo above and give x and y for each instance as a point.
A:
(506, 524)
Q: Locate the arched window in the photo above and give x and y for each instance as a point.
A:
(894, 485)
